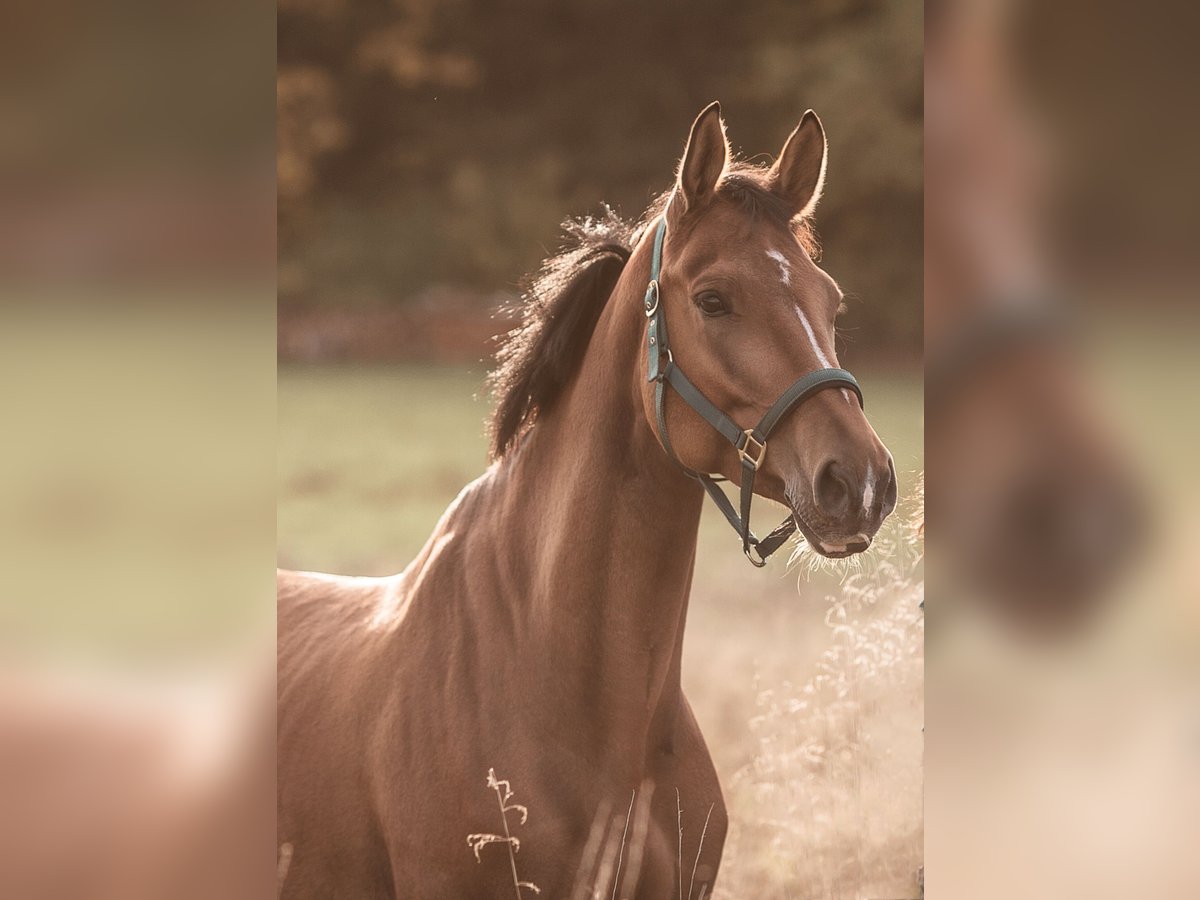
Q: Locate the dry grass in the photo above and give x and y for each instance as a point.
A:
(504, 797)
(603, 873)
(830, 804)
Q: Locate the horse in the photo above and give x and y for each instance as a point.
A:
(532, 650)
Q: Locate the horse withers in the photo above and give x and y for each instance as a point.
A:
(538, 633)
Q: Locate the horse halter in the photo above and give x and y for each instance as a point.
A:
(750, 443)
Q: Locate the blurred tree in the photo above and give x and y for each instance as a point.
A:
(433, 144)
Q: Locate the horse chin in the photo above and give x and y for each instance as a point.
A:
(831, 545)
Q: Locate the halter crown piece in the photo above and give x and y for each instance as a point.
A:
(750, 443)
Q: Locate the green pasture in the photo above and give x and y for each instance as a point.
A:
(370, 456)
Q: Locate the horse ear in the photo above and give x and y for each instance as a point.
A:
(704, 158)
(798, 176)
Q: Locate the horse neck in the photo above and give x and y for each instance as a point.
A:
(608, 523)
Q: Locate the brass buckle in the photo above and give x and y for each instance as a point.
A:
(754, 457)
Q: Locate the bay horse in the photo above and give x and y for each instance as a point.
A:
(539, 631)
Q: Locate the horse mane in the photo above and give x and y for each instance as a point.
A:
(558, 309)
(559, 306)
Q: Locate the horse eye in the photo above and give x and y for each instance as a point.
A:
(711, 304)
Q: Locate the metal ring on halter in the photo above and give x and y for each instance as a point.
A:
(652, 288)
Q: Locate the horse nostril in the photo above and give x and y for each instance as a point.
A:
(832, 491)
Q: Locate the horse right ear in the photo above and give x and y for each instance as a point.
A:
(704, 158)
(798, 176)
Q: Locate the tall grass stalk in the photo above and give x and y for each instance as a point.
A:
(478, 841)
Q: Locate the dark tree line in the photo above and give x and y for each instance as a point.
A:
(427, 143)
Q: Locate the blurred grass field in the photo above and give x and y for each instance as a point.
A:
(807, 684)
(370, 456)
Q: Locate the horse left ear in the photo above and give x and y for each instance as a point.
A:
(704, 158)
(798, 176)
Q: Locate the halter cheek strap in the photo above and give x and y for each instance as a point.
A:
(750, 443)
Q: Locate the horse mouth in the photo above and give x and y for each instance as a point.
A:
(833, 546)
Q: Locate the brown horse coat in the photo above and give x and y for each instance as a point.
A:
(539, 631)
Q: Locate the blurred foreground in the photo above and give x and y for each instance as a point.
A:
(137, 228)
(1064, 664)
(136, 622)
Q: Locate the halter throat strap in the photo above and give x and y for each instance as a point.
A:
(749, 443)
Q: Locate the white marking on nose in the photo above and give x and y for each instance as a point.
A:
(812, 338)
(821, 357)
(785, 269)
(869, 490)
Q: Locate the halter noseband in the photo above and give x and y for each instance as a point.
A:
(750, 443)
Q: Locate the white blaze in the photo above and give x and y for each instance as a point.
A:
(812, 338)
(785, 276)
(785, 269)
(869, 490)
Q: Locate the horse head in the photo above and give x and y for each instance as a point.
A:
(750, 313)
